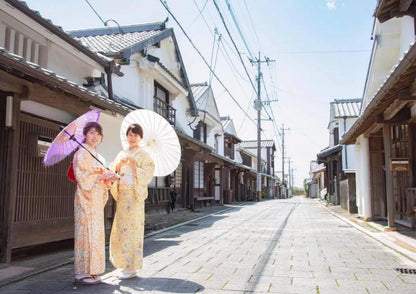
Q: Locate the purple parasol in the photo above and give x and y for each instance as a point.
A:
(69, 138)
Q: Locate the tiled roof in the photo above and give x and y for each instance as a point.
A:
(198, 90)
(110, 44)
(111, 40)
(346, 107)
(253, 144)
(127, 40)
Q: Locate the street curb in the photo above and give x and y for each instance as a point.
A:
(404, 252)
(24, 276)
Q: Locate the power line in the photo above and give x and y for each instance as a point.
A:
(235, 46)
(324, 52)
(96, 13)
(252, 25)
(230, 9)
(203, 58)
(224, 42)
(199, 14)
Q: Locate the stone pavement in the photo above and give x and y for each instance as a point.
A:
(403, 240)
(50, 258)
(273, 246)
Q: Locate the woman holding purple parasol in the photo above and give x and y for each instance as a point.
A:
(90, 198)
(93, 180)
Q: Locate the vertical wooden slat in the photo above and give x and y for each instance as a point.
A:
(44, 194)
(387, 135)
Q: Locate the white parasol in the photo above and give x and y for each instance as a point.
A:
(159, 140)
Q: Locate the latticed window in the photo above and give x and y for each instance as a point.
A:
(198, 174)
(399, 141)
(161, 104)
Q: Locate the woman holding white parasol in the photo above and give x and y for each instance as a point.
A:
(151, 148)
(136, 171)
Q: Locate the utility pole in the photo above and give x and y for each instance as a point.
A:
(289, 179)
(258, 105)
(283, 152)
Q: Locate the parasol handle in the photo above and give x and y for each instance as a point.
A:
(72, 137)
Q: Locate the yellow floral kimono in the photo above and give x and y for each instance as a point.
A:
(130, 192)
(90, 199)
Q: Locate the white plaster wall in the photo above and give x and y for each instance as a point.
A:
(407, 35)
(363, 190)
(70, 66)
(181, 104)
(392, 38)
(348, 152)
(167, 56)
(131, 85)
(59, 56)
(111, 143)
(221, 145)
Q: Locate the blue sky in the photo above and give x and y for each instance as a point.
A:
(321, 50)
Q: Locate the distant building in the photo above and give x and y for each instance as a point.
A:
(339, 159)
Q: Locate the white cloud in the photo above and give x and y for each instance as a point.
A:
(331, 4)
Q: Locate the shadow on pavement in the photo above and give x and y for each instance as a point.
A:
(166, 239)
(139, 284)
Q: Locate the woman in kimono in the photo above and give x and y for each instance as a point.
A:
(90, 198)
(135, 168)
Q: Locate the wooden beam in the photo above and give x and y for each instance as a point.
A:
(10, 83)
(11, 181)
(55, 99)
(388, 174)
(404, 5)
(375, 127)
(394, 109)
(44, 95)
(408, 94)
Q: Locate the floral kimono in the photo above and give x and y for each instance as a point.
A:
(130, 192)
(90, 198)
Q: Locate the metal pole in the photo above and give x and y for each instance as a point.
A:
(283, 154)
(258, 107)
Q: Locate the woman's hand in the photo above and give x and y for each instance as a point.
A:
(130, 161)
(110, 176)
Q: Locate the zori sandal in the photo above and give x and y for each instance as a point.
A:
(89, 280)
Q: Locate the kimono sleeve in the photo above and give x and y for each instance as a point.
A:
(113, 165)
(114, 185)
(85, 175)
(144, 169)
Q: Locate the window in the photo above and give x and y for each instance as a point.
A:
(200, 133)
(161, 103)
(198, 175)
(229, 148)
(161, 93)
(336, 136)
(246, 159)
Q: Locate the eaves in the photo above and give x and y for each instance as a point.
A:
(18, 66)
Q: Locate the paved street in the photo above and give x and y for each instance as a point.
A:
(276, 246)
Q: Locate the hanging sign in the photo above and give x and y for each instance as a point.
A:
(399, 164)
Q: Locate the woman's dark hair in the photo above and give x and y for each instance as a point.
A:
(92, 125)
(135, 129)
